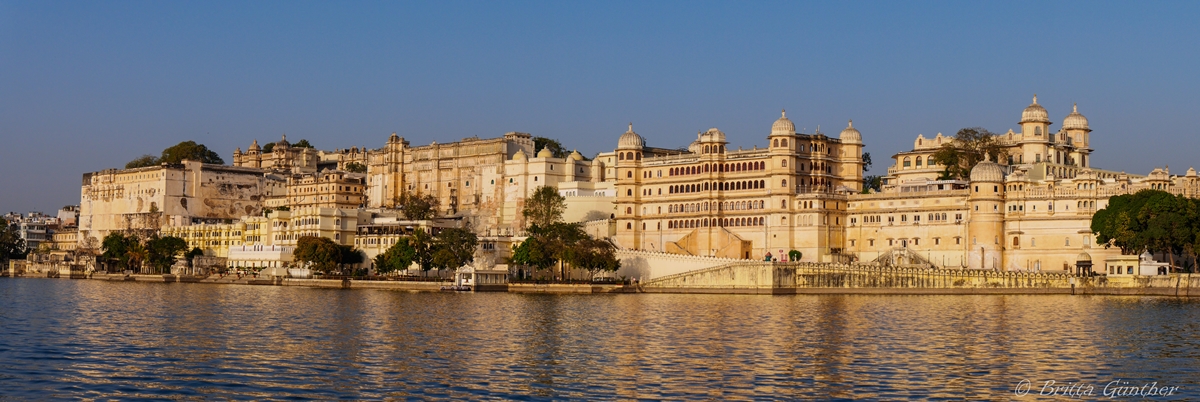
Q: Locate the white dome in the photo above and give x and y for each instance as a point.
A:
(1083, 257)
(575, 155)
(851, 135)
(712, 135)
(1075, 121)
(519, 156)
(783, 126)
(1035, 113)
(631, 140)
(987, 171)
(545, 153)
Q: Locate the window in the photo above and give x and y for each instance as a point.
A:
(907, 163)
(1067, 242)
(871, 242)
(851, 243)
(957, 240)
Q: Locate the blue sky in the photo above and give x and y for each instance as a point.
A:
(86, 86)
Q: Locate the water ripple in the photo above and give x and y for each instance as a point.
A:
(64, 339)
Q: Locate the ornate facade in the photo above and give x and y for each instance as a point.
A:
(712, 201)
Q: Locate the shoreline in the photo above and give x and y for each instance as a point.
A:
(422, 287)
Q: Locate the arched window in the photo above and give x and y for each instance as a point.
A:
(784, 142)
(776, 142)
(907, 162)
(628, 174)
(1037, 131)
(918, 161)
(783, 162)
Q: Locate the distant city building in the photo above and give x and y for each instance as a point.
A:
(803, 191)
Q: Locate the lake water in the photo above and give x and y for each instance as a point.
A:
(70, 339)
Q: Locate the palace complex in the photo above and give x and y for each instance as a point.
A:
(1031, 210)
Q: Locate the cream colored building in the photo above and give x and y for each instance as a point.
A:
(151, 197)
(1032, 211)
(712, 201)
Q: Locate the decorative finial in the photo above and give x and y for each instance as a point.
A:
(851, 124)
(631, 126)
(285, 137)
(783, 114)
(1074, 108)
(1035, 99)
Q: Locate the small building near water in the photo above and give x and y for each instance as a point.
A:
(1128, 265)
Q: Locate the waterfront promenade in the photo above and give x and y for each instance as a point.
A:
(756, 278)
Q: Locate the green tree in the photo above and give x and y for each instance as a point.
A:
(323, 254)
(397, 257)
(417, 207)
(552, 244)
(423, 248)
(303, 143)
(12, 246)
(191, 255)
(866, 158)
(162, 252)
(189, 150)
(794, 255)
(269, 147)
(871, 182)
(142, 161)
(1150, 220)
(545, 207)
(350, 257)
(969, 147)
(355, 167)
(553, 145)
(116, 249)
(595, 256)
(454, 248)
(533, 253)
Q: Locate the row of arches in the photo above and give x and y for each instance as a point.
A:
(629, 156)
(714, 167)
(723, 206)
(714, 222)
(722, 186)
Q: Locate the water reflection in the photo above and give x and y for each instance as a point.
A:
(64, 339)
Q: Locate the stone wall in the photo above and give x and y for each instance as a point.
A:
(646, 265)
(783, 278)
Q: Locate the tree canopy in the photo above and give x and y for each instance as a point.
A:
(269, 147)
(303, 143)
(560, 243)
(162, 252)
(11, 243)
(454, 248)
(355, 167)
(417, 207)
(1150, 220)
(186, 150)
(969, 147)
(397, 257)
(555, 147)
(544, 207)
(321, 252)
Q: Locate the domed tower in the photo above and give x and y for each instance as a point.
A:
(1036, 137)
(1076, 127)
(850, 157)
(783, 135)
(985, 223)
(253, 156)
(781, 143)
(628, 186)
